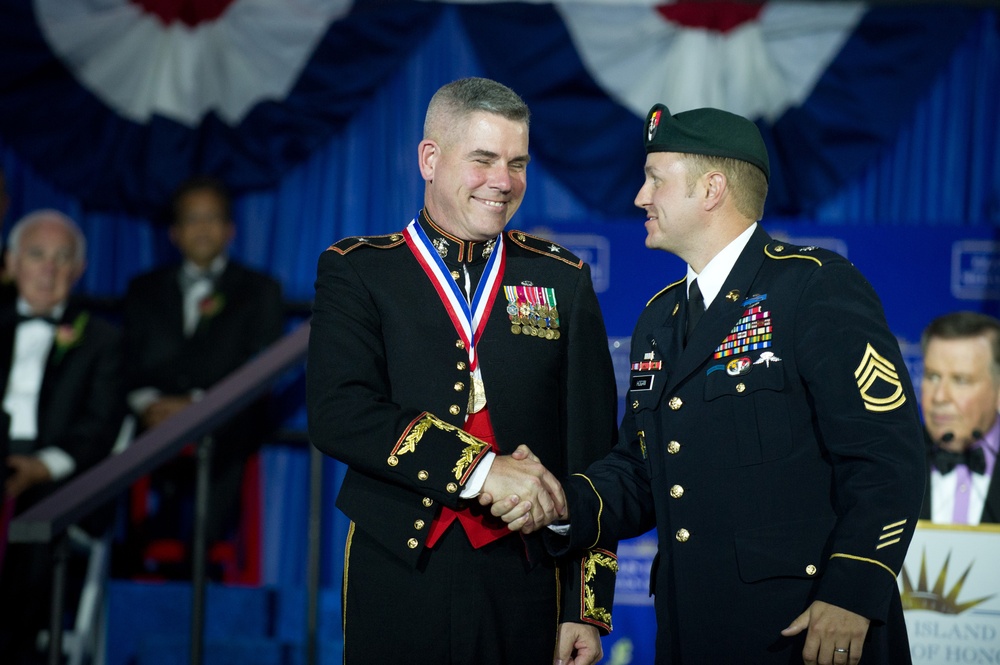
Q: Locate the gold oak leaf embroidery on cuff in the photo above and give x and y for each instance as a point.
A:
(473, 446)
(595, 559)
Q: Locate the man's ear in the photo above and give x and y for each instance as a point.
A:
(428, 152)
(715, 188)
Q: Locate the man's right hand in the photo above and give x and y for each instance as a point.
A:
(533, 496)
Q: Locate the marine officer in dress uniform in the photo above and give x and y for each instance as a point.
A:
(772, 433)
(434, 353)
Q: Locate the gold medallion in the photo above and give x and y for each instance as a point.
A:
(477, 392)
(516, 329)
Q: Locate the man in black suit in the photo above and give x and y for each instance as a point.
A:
(62, 390)
(434, 353)
(960, 395)
(772, 434)
(187, 326)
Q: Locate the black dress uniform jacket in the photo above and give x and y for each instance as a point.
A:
(388, 390)
(787, 472)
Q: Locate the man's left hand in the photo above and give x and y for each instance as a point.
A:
(25, 471)
(578, 644)
(834, 635)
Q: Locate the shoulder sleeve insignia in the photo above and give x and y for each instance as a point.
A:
(664, 290)
(378, 242)
(878, 382)
(545, 247)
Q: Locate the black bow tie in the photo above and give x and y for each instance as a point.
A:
(945, 460)
(21, 318)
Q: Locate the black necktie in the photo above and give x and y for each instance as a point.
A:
(945, 460)
(696, 307)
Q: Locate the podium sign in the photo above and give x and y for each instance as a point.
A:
(950, 586)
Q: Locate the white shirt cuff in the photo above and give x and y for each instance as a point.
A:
(474, 486)
(57, 461)
(141, 398)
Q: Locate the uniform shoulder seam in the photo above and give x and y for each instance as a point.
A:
(351, 243)
(779, 250)
(665, 289)
(544, 247)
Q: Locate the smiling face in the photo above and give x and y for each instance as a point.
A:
(672, 222)
(959, 391)
(475, 174)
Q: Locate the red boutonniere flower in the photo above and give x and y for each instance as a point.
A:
(69, 335)
(211, 305)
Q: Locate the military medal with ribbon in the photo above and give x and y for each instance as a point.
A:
(468, 318)
(532, 311)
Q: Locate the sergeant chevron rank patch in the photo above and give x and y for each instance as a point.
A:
(878, 382)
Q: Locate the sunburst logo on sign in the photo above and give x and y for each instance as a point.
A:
(937, 600)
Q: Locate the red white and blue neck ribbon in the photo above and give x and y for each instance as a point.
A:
(469, 319)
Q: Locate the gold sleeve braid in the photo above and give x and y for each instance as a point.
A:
(473, 447)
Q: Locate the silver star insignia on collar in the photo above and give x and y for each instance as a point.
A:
(554, 249)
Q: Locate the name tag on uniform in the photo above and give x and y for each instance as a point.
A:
(641, 382)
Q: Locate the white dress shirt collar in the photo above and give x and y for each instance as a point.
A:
(714, 275)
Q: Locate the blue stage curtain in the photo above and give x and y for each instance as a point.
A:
(944, 168)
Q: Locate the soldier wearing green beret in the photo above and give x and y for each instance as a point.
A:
(771, 432)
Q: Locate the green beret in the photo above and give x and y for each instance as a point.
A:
(706, 132)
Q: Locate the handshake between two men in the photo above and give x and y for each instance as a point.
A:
(523, 493)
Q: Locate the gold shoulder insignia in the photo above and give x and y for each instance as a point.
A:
(546, 247)
(379, 242)
(777, 249)
(664, 290)
(877, 376)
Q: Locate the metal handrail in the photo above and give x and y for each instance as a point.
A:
(47, 521)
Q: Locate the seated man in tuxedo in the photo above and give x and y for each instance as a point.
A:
(187, 326)
(960, 396)
(60, 370)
